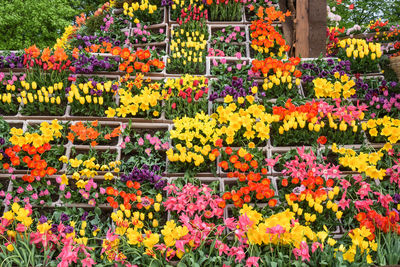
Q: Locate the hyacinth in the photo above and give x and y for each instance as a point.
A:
(145, 174)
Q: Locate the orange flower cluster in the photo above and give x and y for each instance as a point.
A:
(84, 133)
(47, 59)
(394, 33)
(33, 160)
(270, 14)
(264, 35)
(276, 65)
(136, 61)
(246, 171)
(80, 20)
(127, 198)
(310, 108)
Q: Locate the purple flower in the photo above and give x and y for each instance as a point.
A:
(396, 198)
(64, 217)
(43, 219)
(84, 216)
(69, 229)
(54, 228)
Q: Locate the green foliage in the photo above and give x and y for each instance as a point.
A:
(87, 7)
(25, 22)
(366, 10)
(40, 22)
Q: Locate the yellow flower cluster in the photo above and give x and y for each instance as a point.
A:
(385, 126)
(82, 93)
(89, 170)
(179, 4)
(359, 240)
(133, 224)
(341, 88)
(143, 5)
(171, 233)
(252, 122)
(198, 135)
(188, 46)
(309, 206)
(362, 162)
(6, 98)
(131, 103)
(48, 133)
(359, 48)
(298, 119)
(18, 214)
(259, 232)
(281, 53)
(279, 79)
(183, 83)
(31, 93)
(68, 32)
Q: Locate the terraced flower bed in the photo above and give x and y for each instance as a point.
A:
(159, 133)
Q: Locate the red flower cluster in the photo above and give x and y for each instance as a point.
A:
(333, 39)
(377, 25)
(47, 59)
(192, 13)
(322, 140)
(189, 94)
(373, 220)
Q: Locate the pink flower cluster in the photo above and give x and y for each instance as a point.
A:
(348, 113)
(306, 162)
(108, 21)
(384, 103)
(141, 32)
(192, 200)
(154, 141)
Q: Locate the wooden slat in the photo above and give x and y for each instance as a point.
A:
(302, 28)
